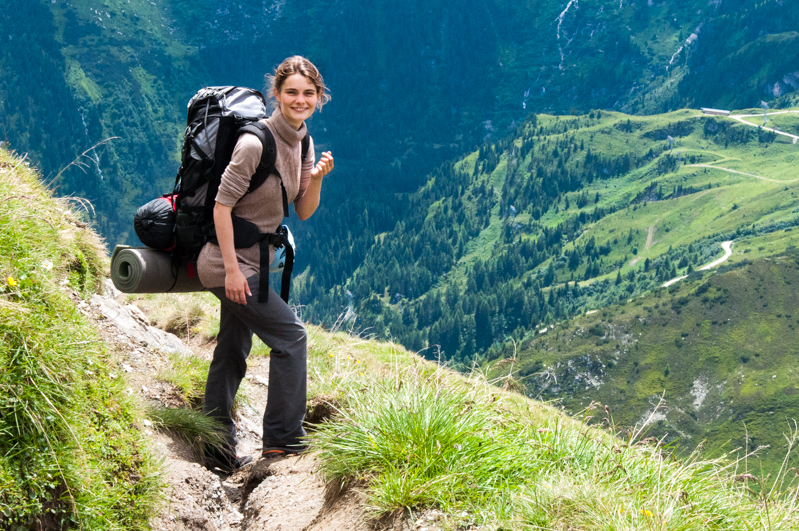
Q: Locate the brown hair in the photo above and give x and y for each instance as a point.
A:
(297, 65)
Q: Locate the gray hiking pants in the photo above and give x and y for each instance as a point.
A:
(282, 331)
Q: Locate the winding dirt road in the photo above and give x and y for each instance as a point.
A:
(740, 118)
(741, 173)
(727, 246)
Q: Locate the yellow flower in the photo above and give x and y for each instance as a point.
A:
(331, 355)
(11, 282)
(357, 361)
(646, 512)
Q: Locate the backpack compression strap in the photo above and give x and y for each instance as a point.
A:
(268, 164)
(277, 239)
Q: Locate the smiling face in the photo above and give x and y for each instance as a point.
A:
(297, 99)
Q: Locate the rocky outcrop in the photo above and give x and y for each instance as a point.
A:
(134, 324)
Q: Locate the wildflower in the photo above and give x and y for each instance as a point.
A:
(47, 265)
(11, 282)
(357, 361)
(331, 355)
(646, 512)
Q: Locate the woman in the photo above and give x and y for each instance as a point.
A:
(232, 274)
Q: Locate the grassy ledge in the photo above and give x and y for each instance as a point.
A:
(71, 453)
(412, 435)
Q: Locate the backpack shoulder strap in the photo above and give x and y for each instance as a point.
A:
(267, 166)
(268, 155)
(306, 144)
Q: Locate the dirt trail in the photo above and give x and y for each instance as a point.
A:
(285, 494)
(742, 173)
(650, 236)
(727, 246)
(673, 281)
(740, 118)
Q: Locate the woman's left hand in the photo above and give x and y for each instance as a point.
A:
(322, 167)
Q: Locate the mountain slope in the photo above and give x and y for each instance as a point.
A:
(421, 442)
(718, 348)
(570, 213)
(72, 449)
(413, 83)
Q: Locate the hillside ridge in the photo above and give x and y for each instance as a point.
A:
(714, 352)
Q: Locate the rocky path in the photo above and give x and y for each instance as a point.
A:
(284, 494)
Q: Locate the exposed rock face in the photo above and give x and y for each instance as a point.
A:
(133, 323)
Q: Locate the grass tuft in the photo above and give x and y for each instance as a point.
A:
(194, 427)
(187, 373)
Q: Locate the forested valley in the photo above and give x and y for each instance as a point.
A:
(531, 230)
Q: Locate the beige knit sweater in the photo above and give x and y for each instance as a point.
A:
(264, 206)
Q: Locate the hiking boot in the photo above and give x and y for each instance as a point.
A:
(227, 462)
(270, 452)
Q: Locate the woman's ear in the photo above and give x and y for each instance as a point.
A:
(277, 94)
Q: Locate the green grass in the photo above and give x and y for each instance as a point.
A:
(412, 437)
(679, 221)
(72, 454)
(192, 426)
(187, 373)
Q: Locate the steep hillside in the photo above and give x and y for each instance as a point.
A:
(73, 454)
(414, 84)
(719, 349)
(569, 214)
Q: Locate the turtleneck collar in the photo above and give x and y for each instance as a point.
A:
(286, 132)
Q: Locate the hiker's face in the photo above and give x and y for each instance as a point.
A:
(297, 99)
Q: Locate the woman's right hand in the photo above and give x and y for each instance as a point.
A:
(236, 287)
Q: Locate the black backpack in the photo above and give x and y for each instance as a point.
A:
(217, 116)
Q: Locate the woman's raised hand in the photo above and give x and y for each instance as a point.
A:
(323, 167)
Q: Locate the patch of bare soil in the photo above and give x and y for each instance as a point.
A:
(284, 494)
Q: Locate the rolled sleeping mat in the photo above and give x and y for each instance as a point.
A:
(145, 270)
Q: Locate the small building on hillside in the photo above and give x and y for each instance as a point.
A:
(716, 112)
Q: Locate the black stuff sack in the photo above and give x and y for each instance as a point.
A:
(154, 223)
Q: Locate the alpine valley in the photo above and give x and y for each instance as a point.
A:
(515, 182)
